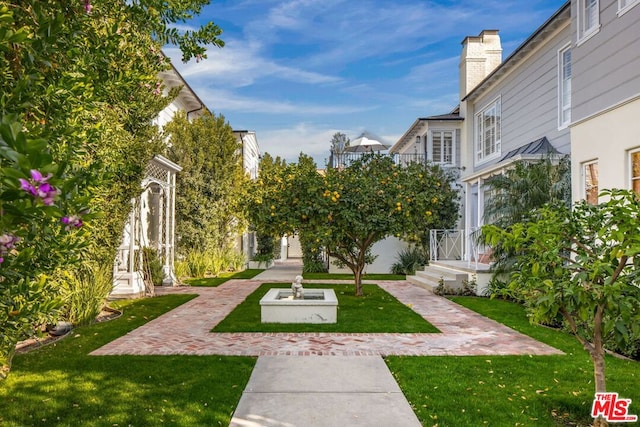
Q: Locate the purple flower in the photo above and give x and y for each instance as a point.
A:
(39, 188)
(87, 6)
(7, 243)
(71, 221)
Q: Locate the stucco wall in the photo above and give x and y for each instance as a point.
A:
(387, 251)
(607, 139)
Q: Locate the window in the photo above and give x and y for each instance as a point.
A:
(625, 5)
(588, 18)
(564, 87)
(590, 176)
(488, 132)
(443, 143)
(634, 157)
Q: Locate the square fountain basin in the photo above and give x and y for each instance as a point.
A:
(319, 306)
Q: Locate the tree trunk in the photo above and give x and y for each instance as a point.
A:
(596, 351)
(357, 273)
(5, 362)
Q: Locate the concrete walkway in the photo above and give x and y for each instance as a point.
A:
(291, 385)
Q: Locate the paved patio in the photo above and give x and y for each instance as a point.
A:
(186, 330)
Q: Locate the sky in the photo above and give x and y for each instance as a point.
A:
(298, 71)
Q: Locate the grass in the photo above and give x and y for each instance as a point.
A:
(223, 277)
(376, 312)
(511, 390)
(349, 276)
(62, 385)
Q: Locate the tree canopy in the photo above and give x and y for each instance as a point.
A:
(581, 264)
(346, 210)
(211, 185)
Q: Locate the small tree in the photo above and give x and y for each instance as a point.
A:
(373, 198)
(582, 264)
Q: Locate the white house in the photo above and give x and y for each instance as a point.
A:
(605, 96)
(573, 87)
(151, 221)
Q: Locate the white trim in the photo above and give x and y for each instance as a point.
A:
(562, 124)
(627, 7)
(630, 176)
(497, 102)
(453, 147)
(583, 178)
(585, 34)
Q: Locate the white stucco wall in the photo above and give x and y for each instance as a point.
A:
(607, 138)
(387, 251)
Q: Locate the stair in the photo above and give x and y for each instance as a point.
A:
(432, 275)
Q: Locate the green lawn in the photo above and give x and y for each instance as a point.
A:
(376, 312)
(511, 390)
(347, 276)
(223, 277)
(61, 385)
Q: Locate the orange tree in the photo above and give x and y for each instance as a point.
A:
(581, 264)
(347, 210)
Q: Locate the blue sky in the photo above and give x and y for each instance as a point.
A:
(297, 71)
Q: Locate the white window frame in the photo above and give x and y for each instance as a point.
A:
(480, 130)
(632, 178)
(625, 5)
(564, 85)
(583, 169)
(440, 161)
(586, 33)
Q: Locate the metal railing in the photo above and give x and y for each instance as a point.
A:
(345, 159)
(457, 245)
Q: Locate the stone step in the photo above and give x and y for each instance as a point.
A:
(431, 277)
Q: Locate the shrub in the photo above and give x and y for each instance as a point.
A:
(408, 261)
(84, 291)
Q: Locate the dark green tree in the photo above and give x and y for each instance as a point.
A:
(211, 185)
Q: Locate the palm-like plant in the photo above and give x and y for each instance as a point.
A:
(522, 189)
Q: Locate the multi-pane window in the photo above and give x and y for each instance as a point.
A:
(588, 18)
(488, 132)
(564, 89)
(635, 170)
(590, 176)
(443, 144)
(625, 5)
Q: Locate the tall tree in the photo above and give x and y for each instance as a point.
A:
(211, 185)
(582, 264)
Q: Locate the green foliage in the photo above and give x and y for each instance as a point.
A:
(267, 248)
(518, 192)
(84, 289)
(211, 185)
(349, 209)
(312, 261)
(581, 264)
(79, 94)
(408, 261)
(153, 269)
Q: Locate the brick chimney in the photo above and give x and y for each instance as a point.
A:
(480, 56)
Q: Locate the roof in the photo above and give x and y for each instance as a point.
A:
(416, 128)
(557, 20)
(537, 147)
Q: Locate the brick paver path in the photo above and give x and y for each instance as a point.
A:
(186, 330)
